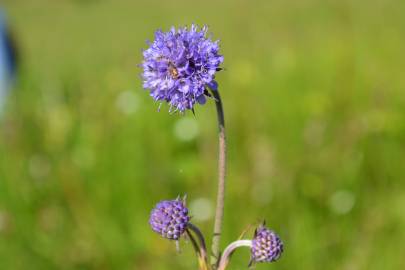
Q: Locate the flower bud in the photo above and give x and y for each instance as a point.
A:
(169, 219)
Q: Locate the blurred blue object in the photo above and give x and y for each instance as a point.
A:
(7, 60)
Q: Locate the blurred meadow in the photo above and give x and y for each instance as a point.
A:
(314, 96)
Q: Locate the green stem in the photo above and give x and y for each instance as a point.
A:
(200, 236)
(219, 213)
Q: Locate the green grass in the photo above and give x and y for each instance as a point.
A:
(314, 96)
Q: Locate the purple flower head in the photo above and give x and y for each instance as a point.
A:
(266, 245)
(179, 65)
(170, 218)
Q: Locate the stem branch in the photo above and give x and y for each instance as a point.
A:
(223, 263)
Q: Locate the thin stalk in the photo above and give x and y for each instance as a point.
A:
(200, 236)
(202, 259)
(223, 263)
(219, 213)
(195, 245)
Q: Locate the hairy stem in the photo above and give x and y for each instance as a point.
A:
(219, 213)
(223, 263)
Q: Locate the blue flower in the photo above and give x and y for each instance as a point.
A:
(266, 245)
(170, 219)
(179, 65)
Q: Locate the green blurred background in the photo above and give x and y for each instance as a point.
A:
(314, 96)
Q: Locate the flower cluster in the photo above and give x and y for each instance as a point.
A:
(266, 245)
(179, 65)
(170, 219)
